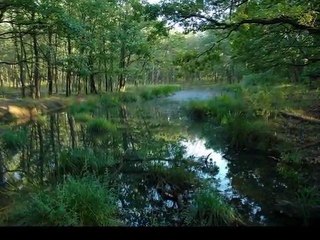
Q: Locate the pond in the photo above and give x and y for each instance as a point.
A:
(156, 159)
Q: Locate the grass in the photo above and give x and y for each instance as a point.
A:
(77, 202)
(14, 140)
(83, 117)
(83, 107)
(177, 176)
(82, 160)
(100, 126)
(244, 127)
(209, 209)
(151, 92)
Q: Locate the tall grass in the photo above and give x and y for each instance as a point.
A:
(100, 126)
(14, 140)
(82, 160)
(176, 176)
(151, 92)
(209, 209)
(83, 107)
(243, 127)
(77, 202)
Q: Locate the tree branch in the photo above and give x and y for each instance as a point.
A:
(214, 44)
(215, 24)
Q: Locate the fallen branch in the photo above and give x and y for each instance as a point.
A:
(310, 145)
(301, 118)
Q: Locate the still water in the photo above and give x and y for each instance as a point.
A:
(152, 140)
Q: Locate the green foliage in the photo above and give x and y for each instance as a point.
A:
(128, 97)
(108, 100)
(151, 92)
(82, 117)
(100, 126)
(243, 126)
(199, 110)
(260, 79)
(83, 160)
(307, 198)
(176, 176)
(254, 134)
(294, 157)
(209, 209)
(14, 140)
(77, 202)
(83, 107)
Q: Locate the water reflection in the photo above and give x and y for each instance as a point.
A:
(156, 159)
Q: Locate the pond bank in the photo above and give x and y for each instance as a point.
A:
(24, 110)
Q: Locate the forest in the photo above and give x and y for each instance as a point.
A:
(139, 113)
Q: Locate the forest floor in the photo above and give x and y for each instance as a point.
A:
(300, 125)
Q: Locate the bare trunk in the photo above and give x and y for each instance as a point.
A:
(36, 66)
(68, 77)
(122, 64)
(49, 63)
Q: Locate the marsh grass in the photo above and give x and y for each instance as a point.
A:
(80, 161)
(209, 209)
(151, 92)
(77, 202)
(100, 126)
(176, 176)
(14, 140)
(243, 127)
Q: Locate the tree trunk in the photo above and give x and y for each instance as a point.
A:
(122, 64)
(91, 76)
(19, 51)
(36, 66)
(68, 77)
(55, 65)
(72, 131)
(49, 63)
(41, 152)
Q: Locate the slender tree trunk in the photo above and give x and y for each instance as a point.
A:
(53, 144)
(68, 77)
(122, 64)
(49, 63)
(72, 131)
(41, 152)
(111, 75)
(56, 72)
(36, 69)
(19, 51)
(91, 76)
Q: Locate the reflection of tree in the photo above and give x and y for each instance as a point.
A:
(147, 193)
(2, 179)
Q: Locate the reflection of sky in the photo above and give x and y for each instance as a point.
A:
(153, 1)
(197, 148)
